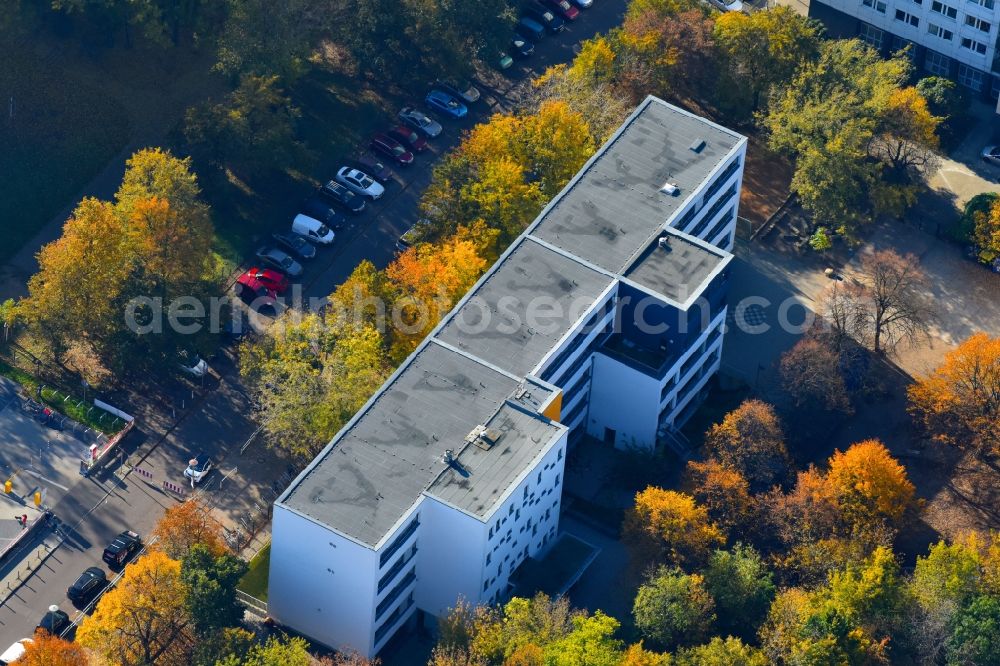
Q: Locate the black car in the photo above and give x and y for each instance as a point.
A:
(372, 166)
(87, 585)
(295, 245)
(521, 46)
(54, 622)
(122, 548)
(546, 17)
(339, 195)
(318, 209)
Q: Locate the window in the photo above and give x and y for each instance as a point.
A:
(943, 9)
(973, 45)
(398, 541)
(971, 78)
(938, 31)
(878, 6)
(978, 23)
(937, 64)
(871, 35)
(983, 3)
(907, 18)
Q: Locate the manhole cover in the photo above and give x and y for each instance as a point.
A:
(753, 315)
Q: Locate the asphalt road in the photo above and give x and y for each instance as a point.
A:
(217, 420)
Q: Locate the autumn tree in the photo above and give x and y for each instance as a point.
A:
(810, 373)
(724, 493)
(742, 587)
(48, 650)
(588, 89)
(673, 608)
(183, 526)
(986, 233)
(889, 307)
(868, 485)
(670, 525)
(210, 582)
(779, 39)
(906, 135)
(143, 620)
(959, 402)
(276, 650)
(727, 651)
(750, 440)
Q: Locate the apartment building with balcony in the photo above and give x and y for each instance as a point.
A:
(956, 39)
(605, 317)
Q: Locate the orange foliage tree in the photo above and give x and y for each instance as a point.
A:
(724, 493)
(48, 650)
(959, 402)
(751, 441)
(869, 485)
(671, 526)
(184, 525)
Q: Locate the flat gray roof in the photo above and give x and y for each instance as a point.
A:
(392, 452)
(493, 323)
(676, 269)
(479, 478)
(615, 204)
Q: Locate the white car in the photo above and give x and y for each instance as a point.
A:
(420, 121)
(15, 651)
(728, 5)
(359, 182)
(312, 229)
(192, 364)
(583, 4)
(991, 155)
(198, 468)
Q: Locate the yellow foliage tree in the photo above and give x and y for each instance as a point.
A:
(671, 525)
(986, 233)
(184, 525)
(959, 402)
(142, 621)
(595, 63)
(869, 485)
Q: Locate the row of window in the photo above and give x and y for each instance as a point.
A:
(398, 542)
(716, 207)
(907, 18)
(940, 8)
(390, 621)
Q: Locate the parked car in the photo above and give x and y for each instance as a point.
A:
(339, 195)
(122, 548)
(727, 5)
(445, 103)
(373, 166)
(521, 47)
(359, 182)
(549, 20)
(295, 245)
(198, 467)
(420, 121)
(531, 28)
(54, 622)
(318, 209)
(409, 237)
(87, 586)
(503, 61)
(463, 90)
(583, 4)
(991, 155)
(312, 229)
(562, 8)
(394, 150)
(409, 138)
(15, 651)
(257, 278)
(190, 363)
(279, 260)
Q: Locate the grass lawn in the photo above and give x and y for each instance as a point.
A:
(61, 135)
(254, 582)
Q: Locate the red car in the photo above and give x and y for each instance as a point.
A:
(563, 8)
(392, 149)
(409, 138)
(261, 282)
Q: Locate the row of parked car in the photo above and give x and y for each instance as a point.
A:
(357, 182)
(537, 18)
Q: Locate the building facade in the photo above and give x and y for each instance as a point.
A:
(956, 39)
(605, 317)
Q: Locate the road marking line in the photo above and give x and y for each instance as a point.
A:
(49, 481)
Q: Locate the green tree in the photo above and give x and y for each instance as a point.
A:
(210, 582)
(673, 608)
(277, 651)
(986, 234)
(742, 587)
(721, 652)
(780, 40)
(220, 645)
(964, 227)
(265, 39)
(976, 633)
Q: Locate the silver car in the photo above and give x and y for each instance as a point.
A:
(359, 182)
(272, 257)
(991, 155)
(420, 121)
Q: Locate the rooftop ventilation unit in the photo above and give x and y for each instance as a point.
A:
(483, 437)
(664, 242)
(698, 145)
(670, 188)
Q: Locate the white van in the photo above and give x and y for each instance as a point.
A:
(312, 229)
(14, 652)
